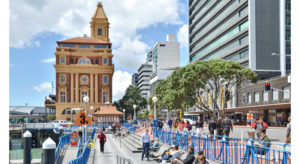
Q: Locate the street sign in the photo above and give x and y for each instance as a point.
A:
(249, 116)
(83, 119)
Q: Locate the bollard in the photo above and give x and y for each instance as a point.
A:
(49, 147)
(61, 131)
(27, 147)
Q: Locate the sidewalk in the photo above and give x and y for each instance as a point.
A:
(111, 150)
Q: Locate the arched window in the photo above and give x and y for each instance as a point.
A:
(84, 61)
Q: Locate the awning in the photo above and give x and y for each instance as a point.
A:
(252, 108)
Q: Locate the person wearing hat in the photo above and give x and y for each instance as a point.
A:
(189, 158)
(155, 144)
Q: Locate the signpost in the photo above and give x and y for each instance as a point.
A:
(83, 119)
(249, 116)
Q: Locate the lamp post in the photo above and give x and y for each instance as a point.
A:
(134, 117)
(124, 121)
(91, 108)
(155, 123)
(86, 100)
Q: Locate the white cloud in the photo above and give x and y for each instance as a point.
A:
(44, 87)
(183, 36)
(71, 18)
(49, 60)
(121, 80)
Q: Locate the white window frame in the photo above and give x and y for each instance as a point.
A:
(266, 95)
(275, 95)
(256, 96)
(105, 97)
(286, 92)
(249, 98)
(62, 97)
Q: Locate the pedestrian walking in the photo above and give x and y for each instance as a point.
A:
(219, 128)
(212, 125)
(288, 131)
(227, 126)
(199, 126)
(146, 144)
(102, 140)
(170, 123)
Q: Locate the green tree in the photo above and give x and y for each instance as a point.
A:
(183, 87)
(51, 117)
(132, 96)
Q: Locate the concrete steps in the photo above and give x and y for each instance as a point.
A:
(133, 143)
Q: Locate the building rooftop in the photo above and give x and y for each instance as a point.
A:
(108, 110)
(83, 40)
(26, 110)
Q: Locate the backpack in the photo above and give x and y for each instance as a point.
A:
(102, 137)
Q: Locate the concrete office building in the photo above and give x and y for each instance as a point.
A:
(165, 58)
(144, 72)
(246, 31)
(134, 79)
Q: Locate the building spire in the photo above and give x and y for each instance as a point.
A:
(100, 24)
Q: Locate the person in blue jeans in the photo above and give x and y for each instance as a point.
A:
(146, 144)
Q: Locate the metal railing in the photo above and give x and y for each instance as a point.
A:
(84, 156)
(63, 140)
(123, 160)
(227, 150)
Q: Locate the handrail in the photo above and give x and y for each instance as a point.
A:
(63, 140)
(123, 160)
(84, 156)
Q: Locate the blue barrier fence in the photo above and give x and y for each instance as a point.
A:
(63, 140)
(227, 150)
(84, 156)
(130, 127)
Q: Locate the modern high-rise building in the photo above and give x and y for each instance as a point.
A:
(246, 31)
(134, 79)
(84, 68)
(144, 73)
(165, 58)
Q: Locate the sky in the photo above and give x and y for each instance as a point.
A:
(135, 26)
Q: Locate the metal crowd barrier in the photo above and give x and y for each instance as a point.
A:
(226, 150)
(130, 127)
(63, 140)
(84, 156)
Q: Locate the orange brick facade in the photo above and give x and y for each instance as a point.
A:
(80, 69)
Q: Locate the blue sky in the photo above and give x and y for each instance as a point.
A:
(135, 26)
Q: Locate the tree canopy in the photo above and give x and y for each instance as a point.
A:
(132, 96)
(184, 86)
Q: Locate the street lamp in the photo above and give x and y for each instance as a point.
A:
(134, 117)
(282, 62)
(91, 108)
(155, 123)
(86, 100)
(124, 116)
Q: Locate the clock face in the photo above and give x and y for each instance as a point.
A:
(84, 78)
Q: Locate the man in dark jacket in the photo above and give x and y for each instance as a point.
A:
(212, 125)
(227, 126)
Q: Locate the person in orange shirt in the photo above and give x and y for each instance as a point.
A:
(181, 125)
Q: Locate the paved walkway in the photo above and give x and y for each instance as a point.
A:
(111, 150)
(67, 154)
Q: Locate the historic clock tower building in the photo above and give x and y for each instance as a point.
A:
(84, 67)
